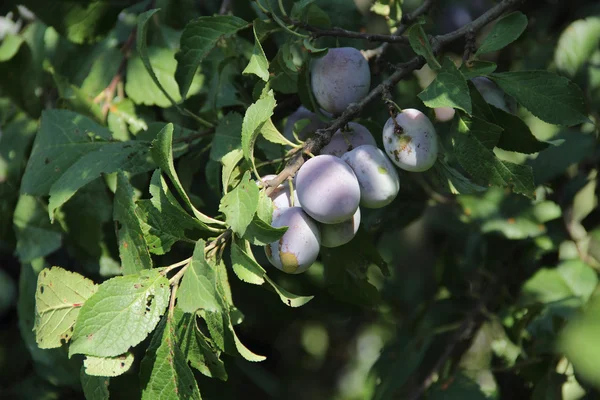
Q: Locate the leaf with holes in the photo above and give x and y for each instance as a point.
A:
(120, 314)
(59, 297)
(108, 366)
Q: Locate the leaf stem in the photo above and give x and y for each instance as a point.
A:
(171, 267)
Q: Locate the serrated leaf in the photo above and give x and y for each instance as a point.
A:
(109, 158)
(449, 89)
(551, 98)
(240, 205)
(261, 233)
(245, 267)
(36, 236)
(477, 68)
(228, 136)
(59, 297)
(272, 134)
(165, 372)
(453, 181)
(288, 298)
(473, 146)
(162, 153)
(198, 288)
(254, 119)
(258, 64)
(230, 162)
(142, 32)
(108, 366)
(120, 314)
(420, 44)
(133, 249)
(516, 135)
(94, 387)
(164, 222)
(505, 31)
(195, 347)
(199, 37)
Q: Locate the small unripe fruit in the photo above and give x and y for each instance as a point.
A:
(411, 142)
(328, 189)
(344, 141)
(377, 176)
(309, 129)
(339, 78)
(298, 248)
(334, 235)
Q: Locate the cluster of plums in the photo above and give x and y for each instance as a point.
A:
(321, 206)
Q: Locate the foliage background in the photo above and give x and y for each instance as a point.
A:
(487, 292)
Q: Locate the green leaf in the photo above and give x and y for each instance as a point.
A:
(222, 332)
(505, 31)
(256, 116)
(78, 21)
(228, 136)
(477, 68)
(17, 74)
(199, 37)
(449, 89)
(198, 289)
(230, 162)
(162, 153)
(121, 314)
(245, 267)
(258, 64)
(240, 205)
(578, 341)
(195, 347)
(420, 44)
(261, 233)
(272, 134)
(551, 98)
(94, 387)
(288, 298)
(108, 366)
(572, 282)
(577, 44)
(164, 371)
(456, 388)
(151, 78)
(452, 181)
(473, 142)
(59, 297)
(36, 236)
(516, 135)
(142, 32)
(164, 221)
(108, 159)
(60, 148)
(133, 249)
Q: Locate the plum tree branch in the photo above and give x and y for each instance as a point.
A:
(323, 136)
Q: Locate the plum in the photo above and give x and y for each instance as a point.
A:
(453, 17)
(339, 78)
(298, 248)
(444, 114)
(313, 124)
(411, 142)
(344, 141)
(377, 176)
(334, 235)
(281, 196)
(328, 189)
(493, 95)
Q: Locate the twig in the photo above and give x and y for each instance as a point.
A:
(406, 21)
(323, 136)
(225, 7)
(190, 138)
(176, 265)
(340, 32)
(172, 299)
(466, 330)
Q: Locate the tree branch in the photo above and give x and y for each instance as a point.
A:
(323, 136)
